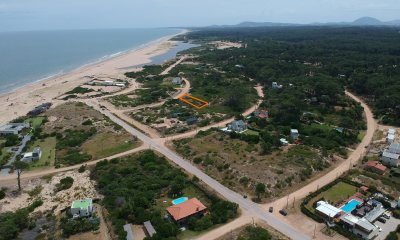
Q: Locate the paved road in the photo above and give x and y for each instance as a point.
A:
(245, 204)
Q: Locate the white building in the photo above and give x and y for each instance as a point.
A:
(391, 156)
(36, 154)
(284, 142)
(390, 138)
(390, 159)
(360, 226)
(13, 128)
(276, 86)
(82, 208)
(294, 134)
(327, 210)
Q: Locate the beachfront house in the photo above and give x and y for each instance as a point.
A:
(149, 229)
(39, 109)
(190, 208)
(391, 156)
(13, 128)
(35, 155)
(82, 208)
(237, 126)
(177, 81)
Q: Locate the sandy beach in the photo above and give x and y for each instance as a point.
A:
(21, 101)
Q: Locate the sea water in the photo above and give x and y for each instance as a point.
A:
(26, 57)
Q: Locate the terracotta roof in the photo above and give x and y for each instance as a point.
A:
(186, 209)
(377, 165)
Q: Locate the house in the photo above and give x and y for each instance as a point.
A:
(39, 109)
(294, 134)
(237, 126)
(191, 120)
(391, 131)
(394, 148)
(276, 86)
(181, 212)
(35, 155)
(261, 113)
(390, 138)
(82, 208)
(149, 228)
(327, 211)
(376, 167)
(129, 233)
(359, 226)
(13, 128)
(283, 141)
(177, 81)
(390, 159)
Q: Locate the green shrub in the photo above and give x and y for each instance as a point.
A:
(65, 183)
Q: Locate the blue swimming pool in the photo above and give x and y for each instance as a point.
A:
(350, 206)
(179, 200)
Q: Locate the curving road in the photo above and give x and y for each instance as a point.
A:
(245, 205)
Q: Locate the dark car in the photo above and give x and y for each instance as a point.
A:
(283, 212)
(382, 220)
(271, 209)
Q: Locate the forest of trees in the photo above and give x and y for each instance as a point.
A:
(324, 59)
(132, 185)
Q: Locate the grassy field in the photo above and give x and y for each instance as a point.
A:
(339, 192)
(251, 132)
(4, 156)
(35, 121)
(106, 144)
(240, 165)
(48, 147)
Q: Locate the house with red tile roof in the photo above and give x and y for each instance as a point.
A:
(185, 210)
(375, 166)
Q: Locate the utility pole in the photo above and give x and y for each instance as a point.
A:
(315, 229)
(287, 201)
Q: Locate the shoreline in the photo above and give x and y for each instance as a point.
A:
(19, 101)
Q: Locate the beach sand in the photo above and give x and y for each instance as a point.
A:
(21, 101)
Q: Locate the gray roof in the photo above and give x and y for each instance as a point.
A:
(365, 225)
(394, 148)
(128, 230)
(149, 228)
(375, 213)
(391, 155)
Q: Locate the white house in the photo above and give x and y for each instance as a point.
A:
(360, 226)
(276, 86)
(82, 208)
(390, 138)
(13, 128)
(327, 210)
(36, 154)
(294, 134)
(283, 141)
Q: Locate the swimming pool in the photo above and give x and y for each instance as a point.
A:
(179, 200)
(350, 206)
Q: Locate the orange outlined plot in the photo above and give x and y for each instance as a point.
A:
(193, 101)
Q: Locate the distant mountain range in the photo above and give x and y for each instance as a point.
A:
(364, 21)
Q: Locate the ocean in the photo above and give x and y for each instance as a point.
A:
(26, 57)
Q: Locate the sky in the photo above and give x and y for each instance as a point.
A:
(17, 15)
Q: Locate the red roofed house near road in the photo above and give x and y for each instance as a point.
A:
(375, 166)
(183, 211)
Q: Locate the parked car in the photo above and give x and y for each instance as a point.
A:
(385, 215)
(379, 228)
(382, 220)
(283, 212)
(271, 209)
(244, 196)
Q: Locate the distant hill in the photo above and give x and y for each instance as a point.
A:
(364, 21)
